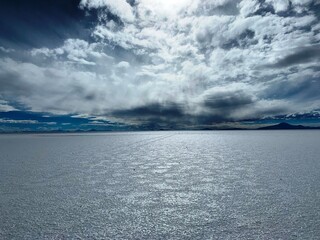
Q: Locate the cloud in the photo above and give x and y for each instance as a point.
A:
(123, 65)
(5, 107)
(6, 50)
(301, 56)
(76, 51)
(152, 111)
(11, 121)
(119, 8)
(180, 63)
(227, 99)
(279, 5)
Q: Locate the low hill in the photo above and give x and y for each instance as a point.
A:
(284, 126)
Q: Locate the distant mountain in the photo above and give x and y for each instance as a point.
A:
(284, 126)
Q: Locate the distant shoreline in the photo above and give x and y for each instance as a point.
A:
(280, 126)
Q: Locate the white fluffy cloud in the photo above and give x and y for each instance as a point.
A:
(118, 7)
(279, 5)
(5, 107)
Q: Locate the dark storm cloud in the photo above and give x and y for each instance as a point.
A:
(227, 100)
(9, 84)
(152, 111)
(301, 56)
(155, 116)
(215, 108)
(224, 106)
(301, 89)
(13, 85)
(41, 23)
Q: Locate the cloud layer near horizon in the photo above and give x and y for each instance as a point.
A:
(177, 63)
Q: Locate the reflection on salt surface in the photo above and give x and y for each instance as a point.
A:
(156, 185)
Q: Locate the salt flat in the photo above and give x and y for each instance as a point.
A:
(161, 185)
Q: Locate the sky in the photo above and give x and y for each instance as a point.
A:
(158, 64)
